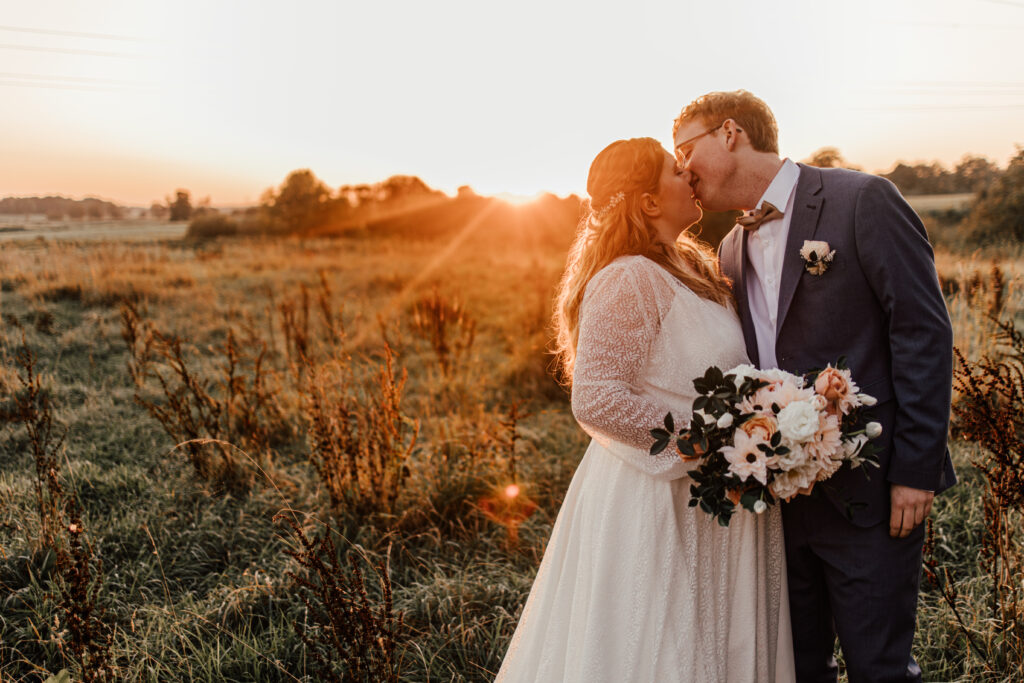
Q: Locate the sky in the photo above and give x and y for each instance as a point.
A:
(129, 100)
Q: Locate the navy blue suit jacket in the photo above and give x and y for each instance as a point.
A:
(879, 304)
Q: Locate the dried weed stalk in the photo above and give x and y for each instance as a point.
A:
(239, 406)
(991, 414)
(33, 408)
(359, 440)
(446, 326)
(81, 578)
(350, 637)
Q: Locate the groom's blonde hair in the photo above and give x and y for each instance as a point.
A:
(751, 114)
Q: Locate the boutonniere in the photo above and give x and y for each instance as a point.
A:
(817, 256)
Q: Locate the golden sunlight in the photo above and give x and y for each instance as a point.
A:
(517, 199)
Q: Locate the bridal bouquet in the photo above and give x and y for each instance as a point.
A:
(765, 435)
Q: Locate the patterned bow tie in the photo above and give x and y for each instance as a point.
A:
(752, 220)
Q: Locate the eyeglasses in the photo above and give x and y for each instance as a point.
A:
(682, 154)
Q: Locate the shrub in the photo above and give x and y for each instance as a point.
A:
(996, 213)
(210, 225)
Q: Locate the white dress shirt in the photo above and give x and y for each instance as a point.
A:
(766, 249)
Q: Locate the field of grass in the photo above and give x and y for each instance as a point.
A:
(199, 544)
(941, 202)
(22, 228)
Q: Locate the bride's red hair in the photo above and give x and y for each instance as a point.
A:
(615, 227)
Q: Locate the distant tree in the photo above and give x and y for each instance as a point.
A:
(399, 187)
(974, 173)
(203, 208)
(922, 178)
(829, 157)
(158, 210)
(181, 207)
(301, 203)
(357, 195)
(996, 214)
(76, 211)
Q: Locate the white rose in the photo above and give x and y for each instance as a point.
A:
(726, 421)
(742, 373)
(798, 421)
(819, 402)
(777, 375)
(796, 457)
(760, 506)
(867, 400)
(873, 430)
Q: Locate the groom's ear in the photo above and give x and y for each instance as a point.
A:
(649, 205)
(731, 132)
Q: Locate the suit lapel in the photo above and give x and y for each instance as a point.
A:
(807, 207)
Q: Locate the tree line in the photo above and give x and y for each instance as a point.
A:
(304, 204)
(971, 174)
(59, 208)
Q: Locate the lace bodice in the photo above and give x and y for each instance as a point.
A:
(643, 338)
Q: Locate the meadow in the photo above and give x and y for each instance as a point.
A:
(330, 459)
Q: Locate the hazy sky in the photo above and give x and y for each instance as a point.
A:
(129, 100)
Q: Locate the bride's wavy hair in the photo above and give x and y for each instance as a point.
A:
(615, 226)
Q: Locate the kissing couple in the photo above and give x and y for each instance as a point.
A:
(635, 584)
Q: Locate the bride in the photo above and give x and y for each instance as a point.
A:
(635, 585)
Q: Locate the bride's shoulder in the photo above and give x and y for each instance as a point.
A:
(630, 266)
(631, 277)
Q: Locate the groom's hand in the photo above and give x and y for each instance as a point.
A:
(910, 507)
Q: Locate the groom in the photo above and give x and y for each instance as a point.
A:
(829, 263)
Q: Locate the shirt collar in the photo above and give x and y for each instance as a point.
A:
(782, 185)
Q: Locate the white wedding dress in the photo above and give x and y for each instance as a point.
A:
(635, 585)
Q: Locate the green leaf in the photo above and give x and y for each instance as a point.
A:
(670, 424)
(685, 447)
(776, 439)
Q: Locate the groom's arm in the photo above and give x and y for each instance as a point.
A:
(894, 252)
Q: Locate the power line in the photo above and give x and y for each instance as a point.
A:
(73, 34)
(940, 107)
(1011, 3)
(953, 25)
(69, 51)
(62, 86)
(985, 84)
(72, 79)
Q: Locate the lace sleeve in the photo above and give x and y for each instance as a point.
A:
(619, 320)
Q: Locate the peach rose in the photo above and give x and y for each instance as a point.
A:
(837, 388)
(760, 426)
(734, 495)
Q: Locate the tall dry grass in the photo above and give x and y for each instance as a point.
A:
(304, 356)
